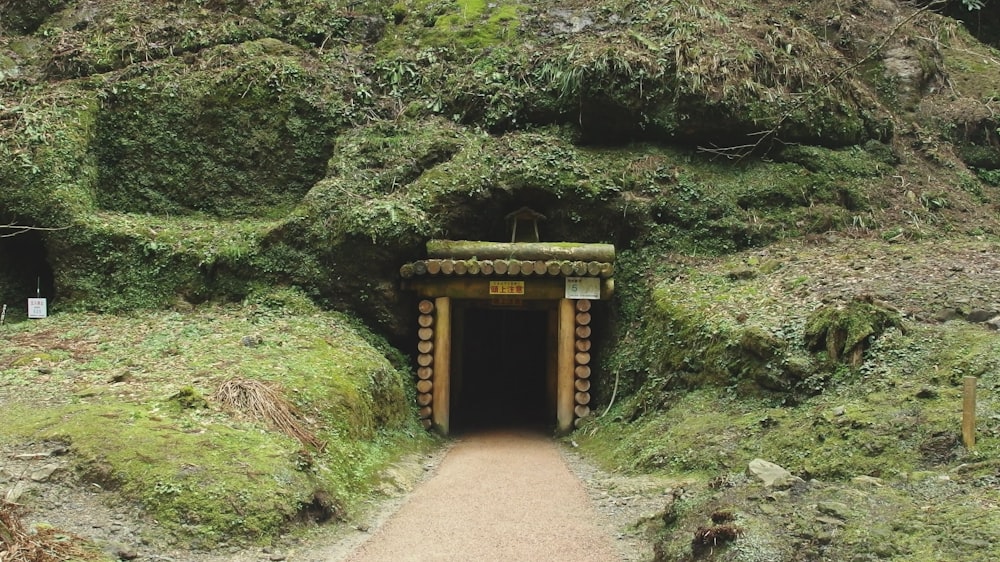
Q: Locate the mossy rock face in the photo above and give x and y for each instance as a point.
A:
(844, 332)
(115, 262)
(45, 160)
(24, 16)
(250, 136)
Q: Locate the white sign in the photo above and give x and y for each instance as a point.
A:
(583, 288)
(37, 308)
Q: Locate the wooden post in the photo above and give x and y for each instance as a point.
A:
(567, 346)
(552, 365)
(969, 412)
(442, 364)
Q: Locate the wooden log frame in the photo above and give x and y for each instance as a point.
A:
(536, 287)
(472, 266)
(425, 372)
(468, 271)
(581, 360)
(566, 344)
(441, 392)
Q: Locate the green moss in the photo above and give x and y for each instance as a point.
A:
(253, 137)
(462, 25)
(45, 157)
(117, 262)
(168, 447)
(844, 332)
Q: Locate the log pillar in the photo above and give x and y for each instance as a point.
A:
(581, 361)
(425, 360)
(441, 390)
(565, 401)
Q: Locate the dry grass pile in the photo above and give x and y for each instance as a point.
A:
(41, 545)
(262, 401)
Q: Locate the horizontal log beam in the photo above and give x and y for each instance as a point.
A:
(513, 267)
(535, 288)
(465, 249)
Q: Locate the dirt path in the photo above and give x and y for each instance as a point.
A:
(503, 495)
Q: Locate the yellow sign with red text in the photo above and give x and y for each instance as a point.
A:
(506, 288)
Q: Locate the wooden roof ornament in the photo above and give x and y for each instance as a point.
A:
(528, 218)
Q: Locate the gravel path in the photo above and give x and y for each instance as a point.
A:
(503, 495)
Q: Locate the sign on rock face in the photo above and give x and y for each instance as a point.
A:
(583, 288)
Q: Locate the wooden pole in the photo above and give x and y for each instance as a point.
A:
(552, 365)
(567, 339)
(442, 364)
(969, 412)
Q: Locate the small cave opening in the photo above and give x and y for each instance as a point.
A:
(503, 368)
(25, 271)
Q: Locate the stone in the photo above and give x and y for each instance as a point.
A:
(993, 323)
(980, 315)
(121, 551)
(16, 492)
(834, 509)
(866, 480)
(568, 21)
(770, 474)
(947, 314)
(44, 473)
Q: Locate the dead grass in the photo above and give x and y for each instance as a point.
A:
(17, 544)
(261, 401)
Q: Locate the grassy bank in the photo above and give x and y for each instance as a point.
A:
(136, 400)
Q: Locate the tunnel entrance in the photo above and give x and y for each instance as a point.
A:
(24, 271)
(501, 373)
(504, 330)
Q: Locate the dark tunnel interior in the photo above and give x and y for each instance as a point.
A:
(24, 271)
(502, 375)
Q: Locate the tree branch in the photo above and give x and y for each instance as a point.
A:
(13, 229)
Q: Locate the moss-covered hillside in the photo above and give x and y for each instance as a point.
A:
(769, 172)
(187, 150)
